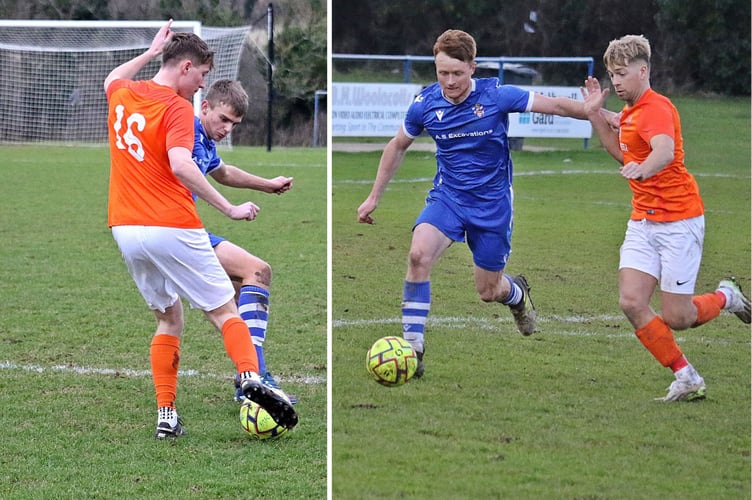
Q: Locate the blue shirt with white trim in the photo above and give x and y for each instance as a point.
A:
(204, 149)
(472, 150)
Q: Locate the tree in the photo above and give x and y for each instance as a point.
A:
(698, 45)
(707, 44)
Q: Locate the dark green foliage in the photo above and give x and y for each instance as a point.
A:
(300, 58)
(710, 49)
(698, 45)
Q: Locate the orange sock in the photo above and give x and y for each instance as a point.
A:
(708, 306)
(165, 359)
(239, 346)
(657, 337)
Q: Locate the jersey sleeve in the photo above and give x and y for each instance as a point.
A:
(655, 120)
(413, 124)
(114, 85)
(513, 99)
(179, 125)
(204, 150)
(214, 162)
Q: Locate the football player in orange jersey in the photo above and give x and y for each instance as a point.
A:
(156, 225)
(664, 238)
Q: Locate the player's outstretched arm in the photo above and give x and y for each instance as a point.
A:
(562, 106)
(232, 176)
(391, 159)
(130, 68)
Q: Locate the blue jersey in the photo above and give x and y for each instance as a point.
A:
(206, 159)
(204, 149)
(472, 151)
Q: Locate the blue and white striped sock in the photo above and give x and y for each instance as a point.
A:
(415, 307)
(515, 293)
(253, 305)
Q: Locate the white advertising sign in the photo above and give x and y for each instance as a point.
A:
(378, 110)
(541, 125)
(370, 109)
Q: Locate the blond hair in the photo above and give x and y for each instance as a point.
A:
(625, 50)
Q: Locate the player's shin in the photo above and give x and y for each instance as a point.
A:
(238, 345)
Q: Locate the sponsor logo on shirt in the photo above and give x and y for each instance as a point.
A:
(461, 135)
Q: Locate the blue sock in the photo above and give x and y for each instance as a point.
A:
(415, 307)
(253, 306)
(515, 293)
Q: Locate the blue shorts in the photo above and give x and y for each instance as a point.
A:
(214, 239)
(487, 228)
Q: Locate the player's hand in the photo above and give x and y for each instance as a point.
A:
(594, 96)
(632, 170)
(281, 184)
(364, 212)
(244, 211)
(614, 121)
(161, 39)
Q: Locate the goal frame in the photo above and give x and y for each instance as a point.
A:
(193, 26)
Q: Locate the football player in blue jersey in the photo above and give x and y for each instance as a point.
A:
(471, 198)
(222, 109)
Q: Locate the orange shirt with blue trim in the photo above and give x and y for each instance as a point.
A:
(145, 121)
(672, 194)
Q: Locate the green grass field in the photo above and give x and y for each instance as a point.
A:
(569, 412)
(78, 408)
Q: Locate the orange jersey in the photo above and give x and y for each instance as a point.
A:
(671, 194)
(145, 121)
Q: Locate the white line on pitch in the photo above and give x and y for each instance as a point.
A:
(493, 325)
(452, 320)
(127, 372)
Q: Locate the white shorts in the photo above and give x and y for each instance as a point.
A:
(669, 251)
(167, 263)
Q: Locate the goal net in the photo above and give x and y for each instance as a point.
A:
(54, 71)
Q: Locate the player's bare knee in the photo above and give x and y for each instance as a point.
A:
(678, 321)
(418, 259)
(630, 306)
(263, 274)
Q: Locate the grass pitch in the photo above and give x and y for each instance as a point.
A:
(78, 409)
(568, 412)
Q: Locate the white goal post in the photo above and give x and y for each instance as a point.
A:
(53, 73)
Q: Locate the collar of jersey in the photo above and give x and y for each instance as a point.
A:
(472, 89)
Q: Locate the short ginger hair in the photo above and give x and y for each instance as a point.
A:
(456, 44)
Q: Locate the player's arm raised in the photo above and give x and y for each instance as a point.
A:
(391, 159)
(130, 68)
